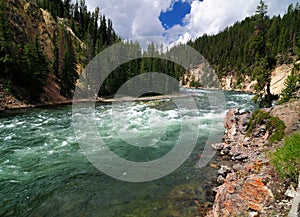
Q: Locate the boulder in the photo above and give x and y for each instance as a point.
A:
(241, 197)
(224, 170)
(218, 146)
(290, 192)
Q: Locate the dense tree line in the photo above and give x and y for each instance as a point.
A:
(253, 46)
(231, 50)
(158, 62)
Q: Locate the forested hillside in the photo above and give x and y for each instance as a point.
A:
(49, 43)
(49, 40)
(254, 46)
(232, 49)
(56, 41)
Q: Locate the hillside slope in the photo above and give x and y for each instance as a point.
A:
(44, 49)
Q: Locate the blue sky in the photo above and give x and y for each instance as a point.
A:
(180, 20)
(175, 15)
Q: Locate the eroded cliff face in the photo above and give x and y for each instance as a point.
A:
(230, 82)
(202, 76)
(28, 23)
(279, 76)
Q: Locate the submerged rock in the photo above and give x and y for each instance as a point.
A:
(214, 165)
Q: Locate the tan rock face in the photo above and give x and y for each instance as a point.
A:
(229, 82)
(28, 21)
(279, 75)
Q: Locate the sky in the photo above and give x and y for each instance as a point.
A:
(179, 20)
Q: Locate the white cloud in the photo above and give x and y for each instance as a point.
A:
(212, 16)
(135, 18)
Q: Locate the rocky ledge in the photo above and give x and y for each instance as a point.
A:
(249, 185)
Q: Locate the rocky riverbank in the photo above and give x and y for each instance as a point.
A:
(249, 185)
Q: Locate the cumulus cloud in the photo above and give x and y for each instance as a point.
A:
(212, 16)
(135, 18)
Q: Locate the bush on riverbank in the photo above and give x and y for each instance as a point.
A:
(274, 125)
(286, 159)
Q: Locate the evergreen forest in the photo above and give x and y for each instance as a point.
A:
(252, 47)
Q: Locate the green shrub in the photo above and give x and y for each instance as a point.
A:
(195, 84)
(290, 86)
(286, 159)
(274, 125)
(277, 126)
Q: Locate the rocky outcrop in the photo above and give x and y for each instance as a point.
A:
(279, 76)
(249, 186)
(242, 197)
(230, 82)
(289, 114)
(27, 22)
(203, 75)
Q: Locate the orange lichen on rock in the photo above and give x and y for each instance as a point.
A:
(239, 197)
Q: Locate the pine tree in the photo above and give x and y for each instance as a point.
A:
(264, 61)
(35, 70)
(66, 63)
(6, 45)
(290, 86)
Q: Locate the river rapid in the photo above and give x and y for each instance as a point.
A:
(44, 172)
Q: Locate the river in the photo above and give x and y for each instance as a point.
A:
(44, 172)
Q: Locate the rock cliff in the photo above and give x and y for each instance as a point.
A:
(29, 22)
(230, 82)
(249, 186)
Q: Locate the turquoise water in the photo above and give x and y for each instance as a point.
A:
(43, 171)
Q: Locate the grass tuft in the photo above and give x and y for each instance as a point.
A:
(286, 159)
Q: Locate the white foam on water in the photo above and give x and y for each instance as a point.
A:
(20, 123)
(10, 126)
(49, 120)
(63, 144)
(8, 138)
